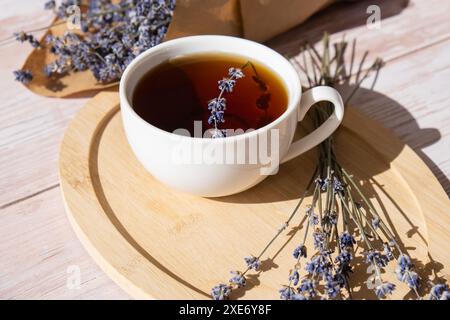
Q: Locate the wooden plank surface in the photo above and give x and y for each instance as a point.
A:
(406, 26)
(42, 255)
(411, 97)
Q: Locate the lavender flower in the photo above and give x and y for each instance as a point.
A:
(325, 183)
(217, 105)
(404, 273)
(220, 292)
(413, 280)
(287, 293)
(333, 285)
(50, 5)
(346, 240)
(252, 262)
(235, 73)
(387, 251)
(376, 223)
(298, 296)
(294, 277)
(319, 240)
(25, 37)
(343, 259)
(299, 251)
(338, 186)
(238, 279)
(404, 262)
(54, 67)
(226, 84)
(320, 264)
(312, 217)
(308, 287)
(384, 289)
(21, 36)
(119, 50)
(24, 76)
(330, 218)
(216, 117)
(440, 292)
(376, 258)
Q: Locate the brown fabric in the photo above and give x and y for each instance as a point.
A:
(257, 20)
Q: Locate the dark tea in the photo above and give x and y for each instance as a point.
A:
(176, 93)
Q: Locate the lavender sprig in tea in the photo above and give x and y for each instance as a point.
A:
(217, 106)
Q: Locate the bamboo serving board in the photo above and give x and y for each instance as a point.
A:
(160, 244)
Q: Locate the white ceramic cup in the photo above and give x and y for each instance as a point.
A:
(159, 150)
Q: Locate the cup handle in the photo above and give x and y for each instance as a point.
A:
(309, 98)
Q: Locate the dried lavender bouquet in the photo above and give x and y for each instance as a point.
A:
(107, 36)
(339, 209)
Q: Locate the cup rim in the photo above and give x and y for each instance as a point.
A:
(292, 106)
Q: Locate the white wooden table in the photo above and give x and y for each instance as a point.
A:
(38, 249)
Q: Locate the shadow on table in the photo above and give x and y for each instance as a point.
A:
(340, 16)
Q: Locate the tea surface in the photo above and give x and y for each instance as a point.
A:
(176, 93)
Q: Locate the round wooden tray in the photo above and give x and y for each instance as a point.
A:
(160, 244)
